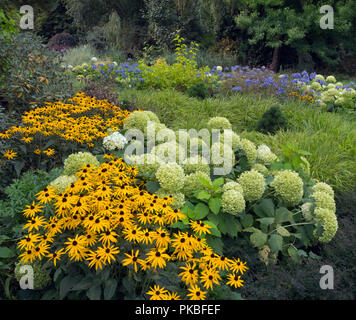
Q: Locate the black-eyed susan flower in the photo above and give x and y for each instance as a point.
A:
(35, 223)
(108, 252)
(209, 277)
(76, 248)
(200, 227)
(29, 241)
(156, 292)
(171, 296)
(132, 259)
(190, 274)
(10, 154)
(235, 280)
(236, 265)
(157, 258)
(55, 256)
(196, 293)
(95, 259)
(32, 210)
(46, 195)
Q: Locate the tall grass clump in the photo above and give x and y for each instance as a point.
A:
(79, 55)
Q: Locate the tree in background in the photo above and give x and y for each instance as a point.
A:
(296, 24)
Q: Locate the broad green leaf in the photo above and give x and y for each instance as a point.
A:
(206, 183)
(110, 288)
(266, 220)
(215, 243)
(215, 205)
(275, 242)
(200, 211)
(258, 239)
(283, 231)
(228, 224)
(67, 284)
(267, 206)
(94, 293)
(246, 220)
(213, 218)
(6, 252)
(283, 214)
(203, 195)
(213, 230)
(217, 183)
(152, 186)
(293, 253)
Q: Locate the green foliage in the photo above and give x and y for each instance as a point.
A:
(272, 120)
(19, 194)
(287, 23)
(198, 90)
(292, 159)
(33, 73)
(8, 24)
(182, 74)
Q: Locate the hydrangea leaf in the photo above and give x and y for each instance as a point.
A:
(215, 205)
(275, 242)
(201, 211)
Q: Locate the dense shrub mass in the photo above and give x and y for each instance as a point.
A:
(31, 74)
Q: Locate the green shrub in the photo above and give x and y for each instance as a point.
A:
(182, 74)
(198, 90)
(272, 120)
(33, 73)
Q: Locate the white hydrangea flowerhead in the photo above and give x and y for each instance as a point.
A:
(146, 164)
(232, 185)
(170, 176)
(330, 79)
(114, 141)
(222, 156)
(94, 59)
(316, 86)
(328, 221)
(330, 86)
(219, 123)
(232, 202)
(196, 163)
(62, 183)
(230, 136)
(170, 152)
(260, 168)
(192, 182)
(219, 68)
(165, 135)
(289, 186)
(139, 120)
(324, 200)
(323, 187)
(332, 92)
(253, 185)
(265, 155)
(319, 77)
(250, 150)
(77, 160)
